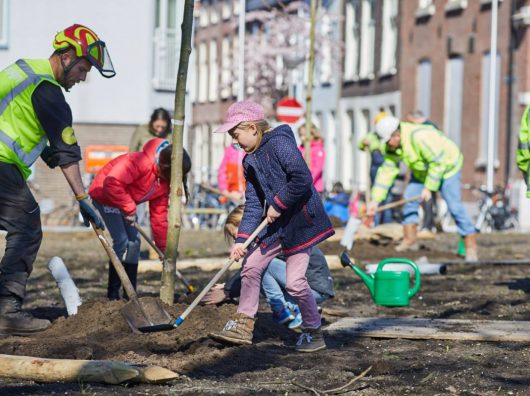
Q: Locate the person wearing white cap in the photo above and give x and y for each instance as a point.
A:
(436, 163)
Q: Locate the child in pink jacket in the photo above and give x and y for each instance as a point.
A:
(230, 178)
(318, 155)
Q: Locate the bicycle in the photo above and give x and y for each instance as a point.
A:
(204, 211)
(66, 214)
(494, 211)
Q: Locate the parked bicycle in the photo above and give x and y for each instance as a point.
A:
(494, 211)
(204, 211)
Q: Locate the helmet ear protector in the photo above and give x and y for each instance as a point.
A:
(86, 44)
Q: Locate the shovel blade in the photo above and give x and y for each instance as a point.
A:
(147, 314)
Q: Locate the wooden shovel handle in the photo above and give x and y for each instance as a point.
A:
(162, 256)
(118, 266)
(397, 203)
(219, 192)
(217, 276)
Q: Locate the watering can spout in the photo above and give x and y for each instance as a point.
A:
(367, 279)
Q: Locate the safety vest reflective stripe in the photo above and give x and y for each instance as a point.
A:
(32, 78)
(523, 146)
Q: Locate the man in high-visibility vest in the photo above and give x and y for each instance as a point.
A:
(436, 163)
(35, 120)
(523, 149)
(375, 147)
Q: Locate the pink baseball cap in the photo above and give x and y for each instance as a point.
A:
(243, 111)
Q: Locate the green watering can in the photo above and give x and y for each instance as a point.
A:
(388, 288)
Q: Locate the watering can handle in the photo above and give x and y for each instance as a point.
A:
(416, 287)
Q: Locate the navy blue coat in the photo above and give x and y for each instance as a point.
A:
(277, 175)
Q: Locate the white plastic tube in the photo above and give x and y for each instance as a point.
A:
(69, 291)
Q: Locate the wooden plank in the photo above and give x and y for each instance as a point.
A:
(438, 329)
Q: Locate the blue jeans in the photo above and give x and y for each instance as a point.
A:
(273, 286)
(450, 190)
(124, 236)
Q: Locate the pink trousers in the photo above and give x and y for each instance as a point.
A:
(255, 263)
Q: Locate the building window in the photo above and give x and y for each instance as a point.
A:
(4, 23)
(454, 86)
(167, 44)
(213, 80)
(389, 37)
(235, 60)
(351, 55)
(226, 64)
(214, 12)
(325, 63)
(425, 9)
(237, 6)
(203, 72)
(203, 14)
(484, 107)
(366, 68)
(423, 89)
(226, 8)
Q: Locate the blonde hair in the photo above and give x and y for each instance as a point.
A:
(262, 127)
(232, 222)
(315, 133)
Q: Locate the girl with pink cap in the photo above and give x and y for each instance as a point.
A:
(279, 186)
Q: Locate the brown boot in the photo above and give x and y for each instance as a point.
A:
(409, 242)
(471, 247)
(237, 331)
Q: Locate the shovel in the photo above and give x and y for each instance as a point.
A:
(354, 223)
(162, 256)
(217, 276)
(144, 315)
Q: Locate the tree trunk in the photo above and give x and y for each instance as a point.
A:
(167, 290)
(309, 93)
(70, 370)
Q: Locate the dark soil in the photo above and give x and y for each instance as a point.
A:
(270, 366)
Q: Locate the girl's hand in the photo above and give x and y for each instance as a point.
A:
(272, 215)
(372, 208)
(237, 252)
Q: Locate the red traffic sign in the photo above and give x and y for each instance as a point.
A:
(289, 110)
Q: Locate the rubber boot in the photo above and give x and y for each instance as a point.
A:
(237, 331)
(409, 242)
(470, 242)
(132, 273)
(113, 288)
(13, 321)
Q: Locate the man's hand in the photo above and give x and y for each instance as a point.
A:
(372, 208)
(130, 219)
(426, 195)
(216, 295)
(272, 215)
(89, 213)
(237, 252)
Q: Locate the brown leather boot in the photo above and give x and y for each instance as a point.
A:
(409, 242)
(237, 331)
(470, 241)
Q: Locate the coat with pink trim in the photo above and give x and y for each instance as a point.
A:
(277, 175)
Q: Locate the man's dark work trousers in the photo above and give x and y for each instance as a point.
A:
(20, 217)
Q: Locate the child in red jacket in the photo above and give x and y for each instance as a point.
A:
(123, 183)
(231, 178)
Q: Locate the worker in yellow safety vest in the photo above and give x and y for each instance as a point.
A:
(35, 120)
(523, 150)
(436, 163)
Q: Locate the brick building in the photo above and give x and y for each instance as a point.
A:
(444, 72)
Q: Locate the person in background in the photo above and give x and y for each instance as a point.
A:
(376, 148)
(318, 155)
(274, 281)
(428, 228)
(523, 149)
(120, 186)
(159, 126)
(336, 204)
(37, 121)
(279, 186)
(436, 163)
(231, 178)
